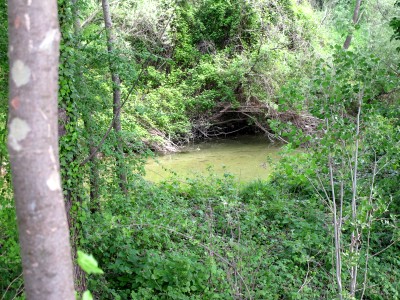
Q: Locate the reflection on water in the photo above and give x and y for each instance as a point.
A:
(246, 157)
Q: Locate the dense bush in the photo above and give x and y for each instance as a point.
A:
(216, 241)
(210, 237)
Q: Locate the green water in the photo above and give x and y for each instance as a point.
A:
(246, 157)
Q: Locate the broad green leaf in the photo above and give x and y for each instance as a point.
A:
(88, 263)
(87, 295)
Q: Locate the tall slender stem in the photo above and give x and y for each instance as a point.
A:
(336, 226)
(121, 171)
(355, 235)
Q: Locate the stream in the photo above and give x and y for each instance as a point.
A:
(246, 157)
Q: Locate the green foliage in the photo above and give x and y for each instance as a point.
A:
(10, 260)
(355, 141)
(87, 295)
(164, 110)
(88, 263)
(226, 23)
(204, 28)
(185, 52)
(395, 24)
(207, 238)
(212, 81)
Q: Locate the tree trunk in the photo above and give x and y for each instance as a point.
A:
(94, 177)
(116, 99)
(94, 181)
(356, 19)
(33, 147)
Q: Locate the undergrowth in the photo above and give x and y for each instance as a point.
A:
(208, 239)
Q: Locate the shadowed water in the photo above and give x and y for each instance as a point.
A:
(246, 157)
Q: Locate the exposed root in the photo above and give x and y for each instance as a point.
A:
(227, 119)
(253, 116)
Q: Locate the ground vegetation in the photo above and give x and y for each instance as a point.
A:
(319, 76)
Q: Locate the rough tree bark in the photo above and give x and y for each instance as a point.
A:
(116, 98)
(356, 19)
(33, 147)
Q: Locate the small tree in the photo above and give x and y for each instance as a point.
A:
(33, 147)
(116, 98)
(356, 19)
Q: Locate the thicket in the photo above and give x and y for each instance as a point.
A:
(273, 64)
(210, 238)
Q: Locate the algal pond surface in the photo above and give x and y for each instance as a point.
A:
(246, 157)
